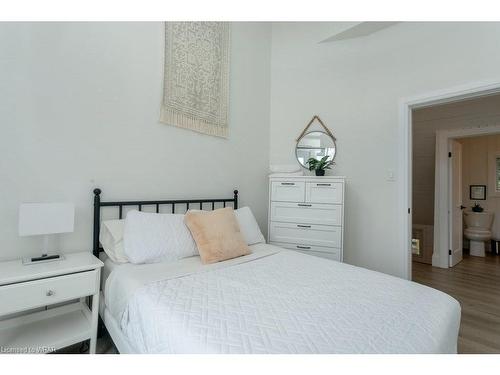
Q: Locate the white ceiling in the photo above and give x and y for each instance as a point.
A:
(359, 30)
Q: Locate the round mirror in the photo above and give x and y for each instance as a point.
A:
(315, 144)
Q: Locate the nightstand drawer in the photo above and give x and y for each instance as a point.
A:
(37, 293)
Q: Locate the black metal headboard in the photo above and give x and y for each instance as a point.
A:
(98, 204)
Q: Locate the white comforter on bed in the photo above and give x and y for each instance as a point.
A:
(278, 301)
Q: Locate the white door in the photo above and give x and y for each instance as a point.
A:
(455, 206)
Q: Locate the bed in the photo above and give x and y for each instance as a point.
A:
(271, 301)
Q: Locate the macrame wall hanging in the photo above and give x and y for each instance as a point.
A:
(196, 81)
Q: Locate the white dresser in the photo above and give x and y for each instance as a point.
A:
(306, 214)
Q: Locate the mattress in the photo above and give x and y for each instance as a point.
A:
(277, 301)
(108, 267)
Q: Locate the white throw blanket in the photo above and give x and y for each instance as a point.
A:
(275, 301)
(196, 83)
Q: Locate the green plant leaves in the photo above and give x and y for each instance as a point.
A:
(321, 164)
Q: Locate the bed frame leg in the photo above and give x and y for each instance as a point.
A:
(101, 328)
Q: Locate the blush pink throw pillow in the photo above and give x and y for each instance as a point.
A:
(217, 234)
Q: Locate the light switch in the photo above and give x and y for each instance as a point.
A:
(391, 176)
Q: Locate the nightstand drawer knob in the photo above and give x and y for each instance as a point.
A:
(49, 293)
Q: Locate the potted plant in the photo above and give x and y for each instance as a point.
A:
(319, 166)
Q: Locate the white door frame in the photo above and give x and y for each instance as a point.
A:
(456, 253)
(441, 193)
(406, 105)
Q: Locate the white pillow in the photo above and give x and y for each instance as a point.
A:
(111, 238)
(153, 238)
(248, 226)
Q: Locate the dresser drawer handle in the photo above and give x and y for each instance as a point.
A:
(323, 184)
(49, 293)
(288, 183)
(303, 226)
(304, 247)
(304, 205)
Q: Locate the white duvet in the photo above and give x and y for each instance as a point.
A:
(277, 301)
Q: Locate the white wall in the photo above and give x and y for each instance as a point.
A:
(79, 108)
(356, 86)
(476, 170)
(480, 112)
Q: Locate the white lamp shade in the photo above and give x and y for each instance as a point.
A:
(46, 218)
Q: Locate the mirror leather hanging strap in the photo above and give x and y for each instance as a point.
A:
(315, 117)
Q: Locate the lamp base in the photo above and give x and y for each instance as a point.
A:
(44, 258)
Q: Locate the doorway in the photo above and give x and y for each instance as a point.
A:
(476, 148)
(463, 171)
(437, 189)
(405, 168)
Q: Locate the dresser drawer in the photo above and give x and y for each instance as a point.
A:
(309, 213)
(325, 252)
(324, 192)
(37, 293)
(287, 191)
(307, 234)
(332, 256)
(307, 248)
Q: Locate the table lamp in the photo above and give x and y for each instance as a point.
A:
(45, 219)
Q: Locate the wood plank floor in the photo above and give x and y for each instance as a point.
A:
(475, 283)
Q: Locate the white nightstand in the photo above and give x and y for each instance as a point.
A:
(25, 287)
